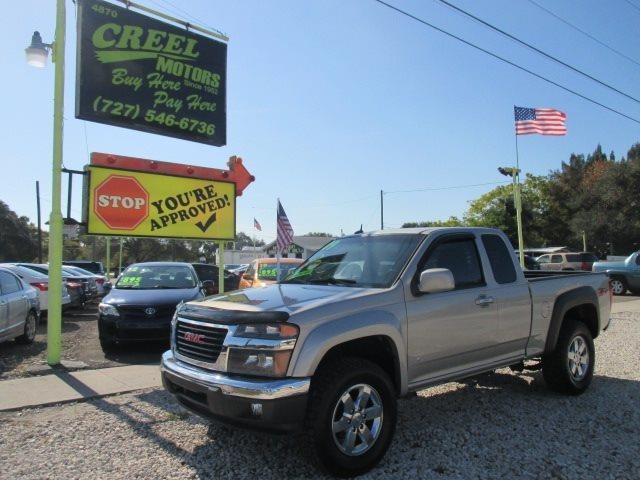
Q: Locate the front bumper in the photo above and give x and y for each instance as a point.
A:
(277, 405)
(131, 330)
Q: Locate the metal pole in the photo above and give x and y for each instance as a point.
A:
(54, 325)
(518, 199)
(69, 190)
(221, 267)
(39, 222)
(108, 257)
(381, 210)
(584, 241)
(120, 258)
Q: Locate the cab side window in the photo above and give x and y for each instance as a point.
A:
(460, 256)
(499, 258)
(556, 258)
(543, 259)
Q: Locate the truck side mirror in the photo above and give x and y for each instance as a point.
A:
(434, 280)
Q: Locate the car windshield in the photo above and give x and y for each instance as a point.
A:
(362, 261)
(147, 277)
(269, 271)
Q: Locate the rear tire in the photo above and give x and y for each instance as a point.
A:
(618, 286)
(352, 416)
(30, 326)
(569, 368)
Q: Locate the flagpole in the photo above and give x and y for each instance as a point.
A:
(518, 201)
(277, 247)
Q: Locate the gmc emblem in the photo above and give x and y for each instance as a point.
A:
(193, 337)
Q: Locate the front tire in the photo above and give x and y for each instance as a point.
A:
(30, 325)
(569, 368)
(107, 340)
(352, 416)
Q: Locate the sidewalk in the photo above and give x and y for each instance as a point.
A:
(61, 386)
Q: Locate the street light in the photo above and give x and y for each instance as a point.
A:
(514, 173)
(37, 54)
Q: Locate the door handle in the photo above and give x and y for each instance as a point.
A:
(484, 301)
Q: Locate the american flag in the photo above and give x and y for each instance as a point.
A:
(256, 225)
(285, 231)
(545, 121)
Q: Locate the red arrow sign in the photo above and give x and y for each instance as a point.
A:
(236, 173)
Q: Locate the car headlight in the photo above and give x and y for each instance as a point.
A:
(107, 309)
(267, 351)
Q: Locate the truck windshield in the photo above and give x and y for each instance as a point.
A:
(147, 277)
(361, 261)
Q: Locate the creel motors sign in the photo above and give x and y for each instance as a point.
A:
(137, 72)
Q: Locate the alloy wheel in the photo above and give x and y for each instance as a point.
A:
(578, 358)
(617, 287)
(357, 419)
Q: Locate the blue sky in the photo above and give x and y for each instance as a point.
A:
(331, 101)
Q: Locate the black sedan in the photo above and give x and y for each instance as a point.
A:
(140, 306)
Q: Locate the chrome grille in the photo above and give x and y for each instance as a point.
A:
(198, 340)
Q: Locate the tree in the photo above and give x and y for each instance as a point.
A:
(18, 236)
(450, 222)
(318, 234)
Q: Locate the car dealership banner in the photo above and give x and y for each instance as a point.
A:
(140, 204)
(137, 72)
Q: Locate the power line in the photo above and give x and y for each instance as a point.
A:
(451, 187)
(537, 50)
(633, 4)
(587, 34)
(509, 62)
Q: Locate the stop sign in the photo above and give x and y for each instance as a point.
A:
(121, 202)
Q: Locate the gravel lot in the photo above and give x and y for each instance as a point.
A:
(501, 425)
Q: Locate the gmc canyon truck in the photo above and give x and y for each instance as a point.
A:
(370, 318)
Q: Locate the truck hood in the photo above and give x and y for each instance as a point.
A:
(270, 303)
(166, 296)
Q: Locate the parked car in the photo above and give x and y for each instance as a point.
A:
(210, 272)
(567, 261)
(529, 262)
(264, 271)
(76, 287)
(329, 353)
(102, 282)
(624, 275)
(40, 282)
(141, 304)
(93, 267)
(240, 270)
(19, 308)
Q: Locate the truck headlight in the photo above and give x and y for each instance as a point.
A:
(267, 351)
(107, 309)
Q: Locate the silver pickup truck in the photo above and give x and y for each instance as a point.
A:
(370, 318)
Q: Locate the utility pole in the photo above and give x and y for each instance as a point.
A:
(514, 173)
(584, 241)
(381, 210)
(39, 222)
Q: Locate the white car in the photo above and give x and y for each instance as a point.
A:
(40, 282)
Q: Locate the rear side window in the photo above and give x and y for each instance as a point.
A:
(573, 258)
(461, 257)
(588, 257)
(9, 283)
(556, 258)
(499, 258)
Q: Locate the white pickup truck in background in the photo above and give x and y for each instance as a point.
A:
(371, 317)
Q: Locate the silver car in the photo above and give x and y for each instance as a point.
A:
(19, 308)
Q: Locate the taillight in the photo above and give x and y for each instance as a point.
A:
(585, 266)
(43, 287)
(74, 285)
(99, 281)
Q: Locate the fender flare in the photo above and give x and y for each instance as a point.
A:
(565, 302)
(345, 329)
